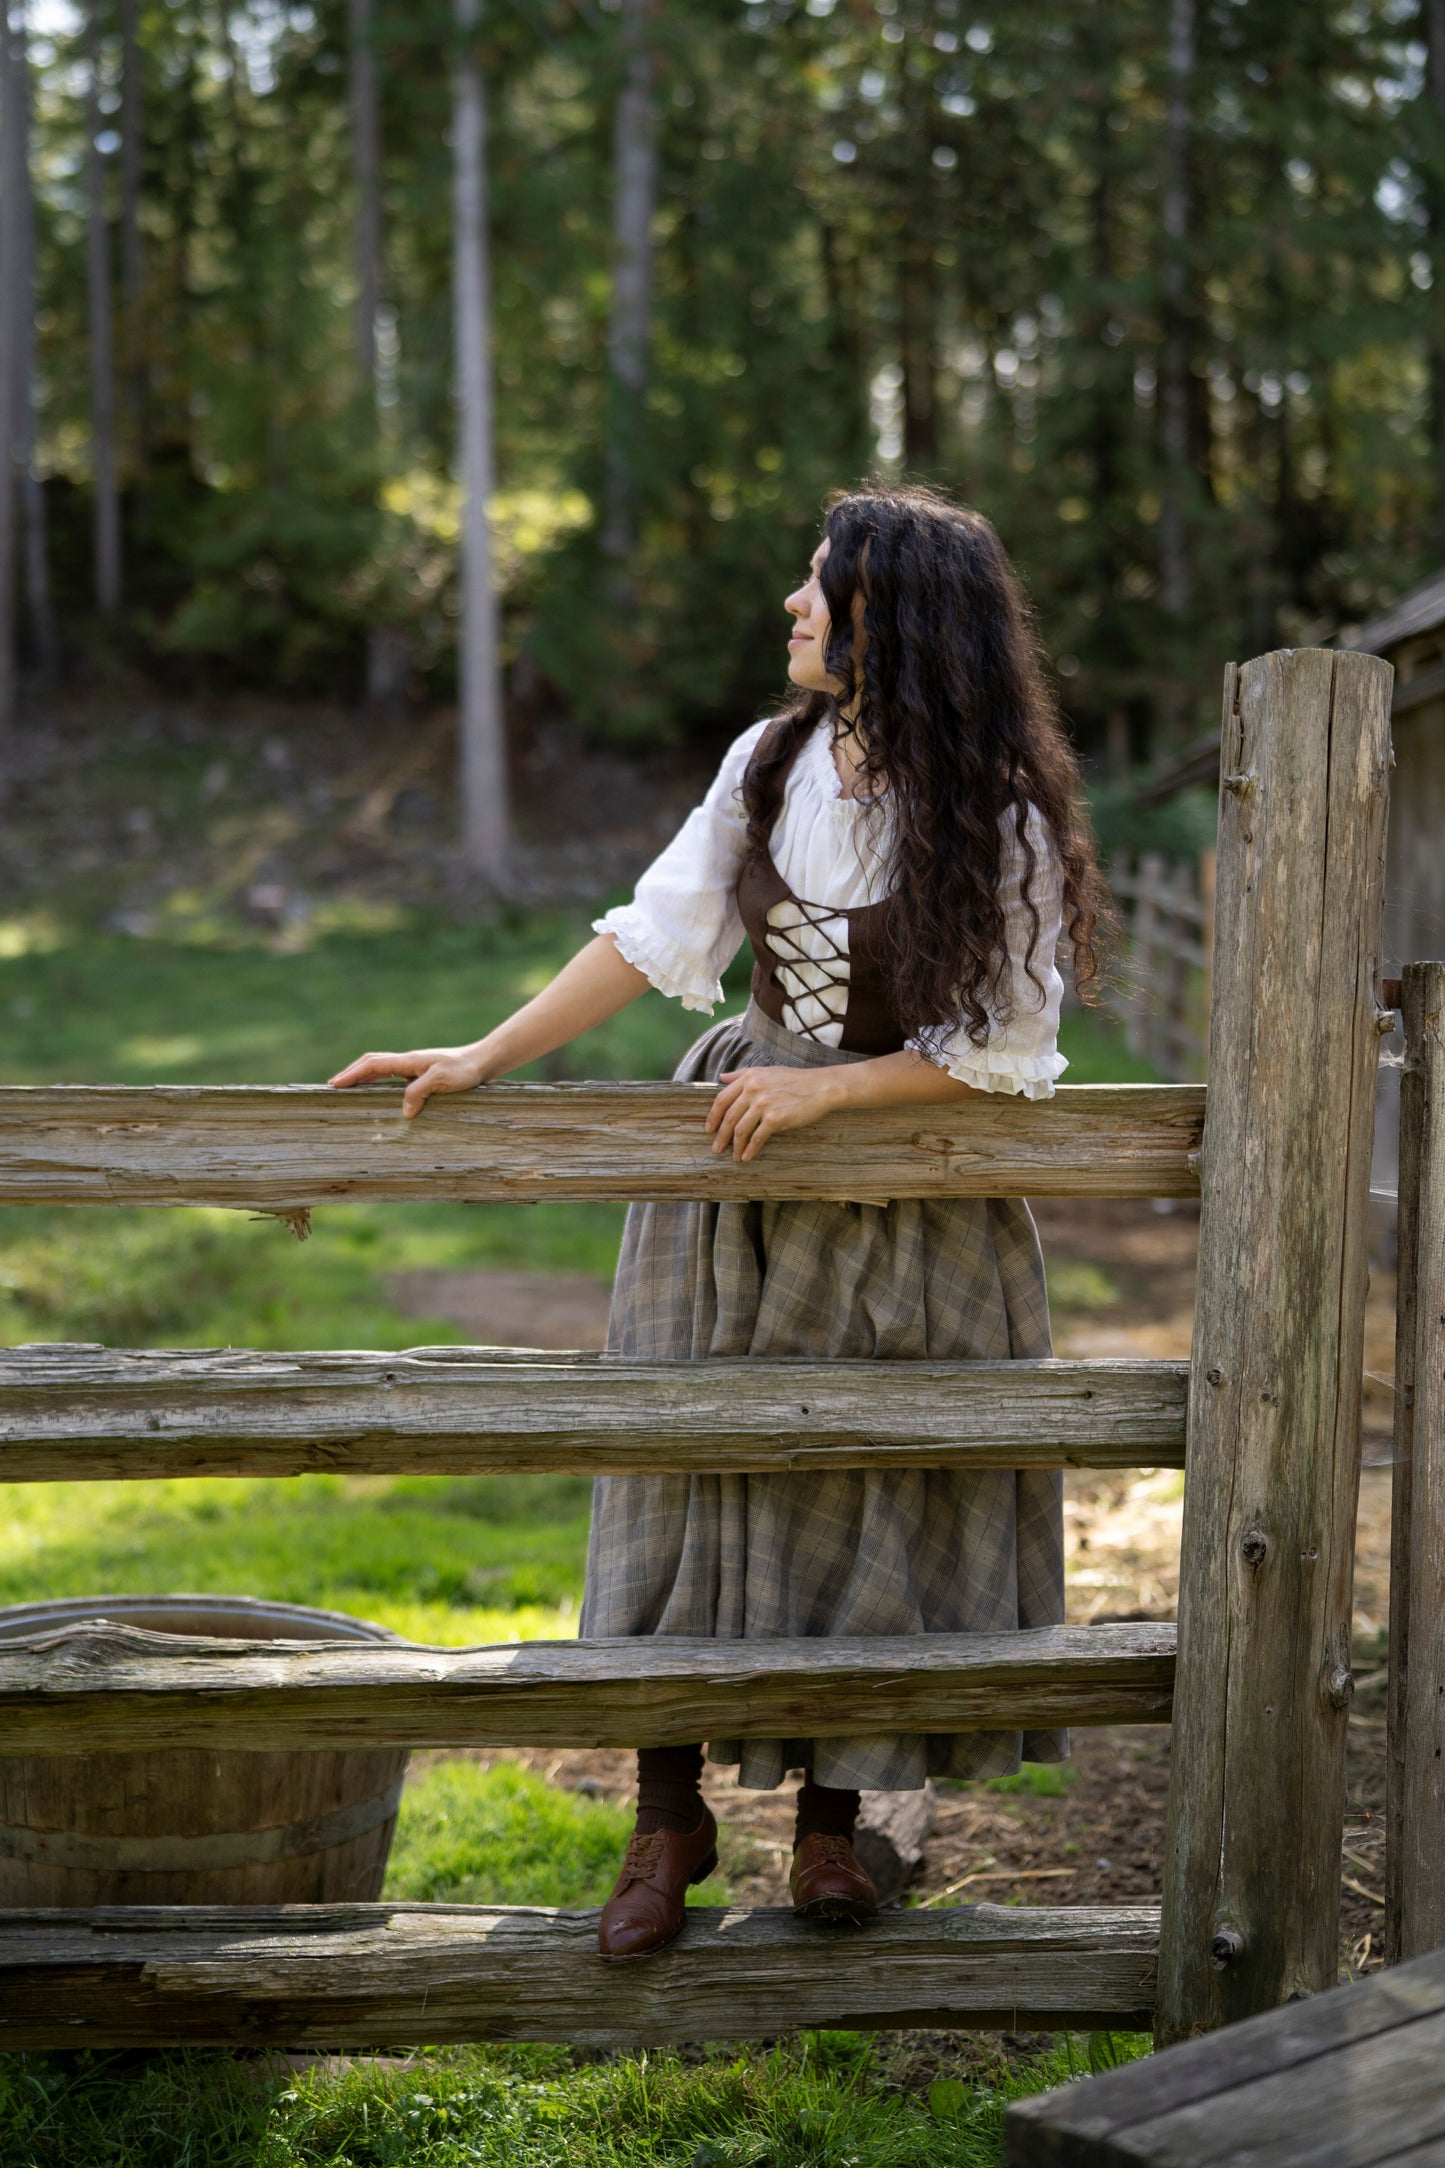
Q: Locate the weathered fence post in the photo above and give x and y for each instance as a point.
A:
(1251, 1870)
(1415, 1826)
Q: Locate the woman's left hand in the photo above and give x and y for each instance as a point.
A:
(755, 1104)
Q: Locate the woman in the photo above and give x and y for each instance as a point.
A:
(903, 848)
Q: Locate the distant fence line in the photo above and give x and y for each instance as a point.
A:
(1160, 990)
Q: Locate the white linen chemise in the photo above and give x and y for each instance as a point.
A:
(682, 928)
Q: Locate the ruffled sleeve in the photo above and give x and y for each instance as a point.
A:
(1022, 1056)
(682, 928)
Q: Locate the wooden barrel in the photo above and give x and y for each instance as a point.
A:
(183, 1827)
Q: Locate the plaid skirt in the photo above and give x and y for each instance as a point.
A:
(907, 1550)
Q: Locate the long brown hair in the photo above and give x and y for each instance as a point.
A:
(956, 722)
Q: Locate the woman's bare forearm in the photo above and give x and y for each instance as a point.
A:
(595, 985)
(904, 1079)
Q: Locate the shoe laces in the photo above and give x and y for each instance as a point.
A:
(643, 1854)
(836, 1851)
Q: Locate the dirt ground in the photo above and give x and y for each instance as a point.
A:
(1122, 1278)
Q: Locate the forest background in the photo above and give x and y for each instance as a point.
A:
(1160, 284)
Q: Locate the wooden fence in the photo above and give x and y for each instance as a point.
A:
(1258, 1691)
(1415, 1828)
(1162, 993)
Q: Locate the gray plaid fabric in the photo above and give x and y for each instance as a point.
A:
(910, 1550)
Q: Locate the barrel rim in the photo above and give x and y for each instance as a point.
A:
(257, 1618)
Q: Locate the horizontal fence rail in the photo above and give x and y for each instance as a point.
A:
(104, 1688)
(100, 1413)
(282, 1149)
(396, 1975)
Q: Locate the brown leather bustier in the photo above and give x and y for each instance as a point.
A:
(860, 993)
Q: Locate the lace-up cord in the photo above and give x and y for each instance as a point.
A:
(831, 958)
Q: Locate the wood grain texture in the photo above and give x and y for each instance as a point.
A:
(1217, 2099)
(101, 1413)
(393, 1975)
(302, 1145)
(102, 1687)
(1251, 1871)
(1415, 1825)
(196, 1828)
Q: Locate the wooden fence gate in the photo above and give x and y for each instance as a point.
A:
(1268, 1403)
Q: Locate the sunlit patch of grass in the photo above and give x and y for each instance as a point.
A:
(467, 1835)
(162, 1055)
(197, 1278)
(454, 1626)
(1076, 1284)
(1037, 1780)
(31, 933)
(454, 1562)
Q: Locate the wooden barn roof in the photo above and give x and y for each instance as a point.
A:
(1419, 611)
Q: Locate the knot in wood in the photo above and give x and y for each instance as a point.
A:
(1226, 1947)
(1254, 1548)
(1338, 1685)
(1214, 1376)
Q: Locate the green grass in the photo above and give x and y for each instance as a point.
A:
(502, 1835)
(1076, 1284)
(92, 1009)
(1037, 1780)
(842, 2099)
(439, 1559)
(78, 1008)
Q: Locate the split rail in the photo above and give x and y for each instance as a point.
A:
(1265, 1416)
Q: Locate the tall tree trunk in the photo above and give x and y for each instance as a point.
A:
(485, 825)
(131, 269)
(102, 363)
(366, 157)
(387, 652)
(634, 202)
(1174, 567)
(1433, 12)
(917, 325)
(11, 190)
(918, 276)
(45, 647)
(845, 342)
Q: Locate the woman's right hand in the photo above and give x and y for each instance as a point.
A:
(431, 1069)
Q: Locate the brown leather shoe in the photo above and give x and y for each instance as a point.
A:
(828, 1883)
(648, 1903)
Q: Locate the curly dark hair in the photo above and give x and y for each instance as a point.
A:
(955, 721)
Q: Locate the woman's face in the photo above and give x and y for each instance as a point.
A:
(809, 642)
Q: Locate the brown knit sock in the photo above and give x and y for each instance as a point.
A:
(824, 1812)
(669, 1789)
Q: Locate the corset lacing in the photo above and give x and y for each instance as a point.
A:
(809, 944)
